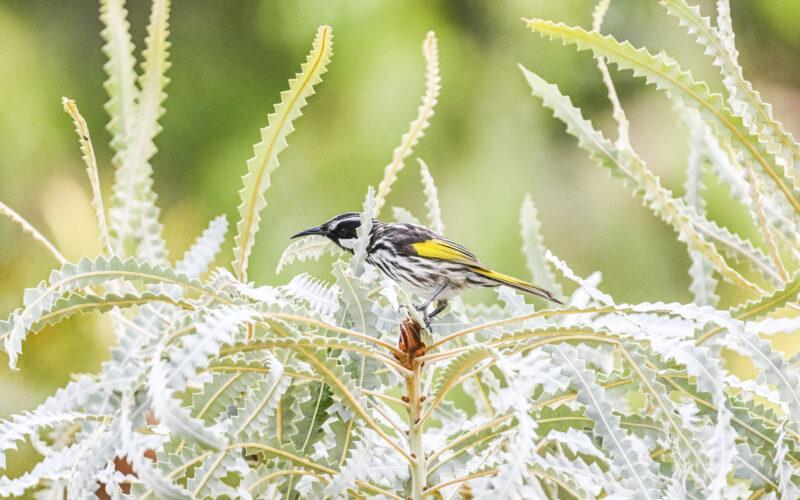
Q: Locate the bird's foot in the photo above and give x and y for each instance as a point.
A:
(426, 318)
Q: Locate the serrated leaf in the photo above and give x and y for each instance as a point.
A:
(91, 170)
(309, 427)
(769, 303)
(177, 419)
(786, 472)
(310, 247)
(342, 384)
(513, 479)
(201, 255)
(455, 369)
(273, 141)
(417, 127)
(55, 467)
(402, 215)
(356, 466)
(355, 298)
(626, 163)
(721, 446)
(701, 271)
(256, 418)
(78, 303)
(753, 467)
(431, 198)
(579, 478)
(743, 99)
(533, 247)
(321, 297)
(628, 453)
(213, 330)
(39, 301)
(121, 82)
(225, 389)
(363, 233)
(25, 424)
(251, 423)
(135, 228)
(96, 451)
(664, 72)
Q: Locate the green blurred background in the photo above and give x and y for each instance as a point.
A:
(490, 142)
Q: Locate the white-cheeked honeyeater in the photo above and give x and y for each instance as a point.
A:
(420, 261)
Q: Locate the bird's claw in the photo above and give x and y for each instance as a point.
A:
(423, 308)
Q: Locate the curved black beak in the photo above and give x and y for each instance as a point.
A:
(308, 232)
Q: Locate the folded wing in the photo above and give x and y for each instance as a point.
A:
(449, 251)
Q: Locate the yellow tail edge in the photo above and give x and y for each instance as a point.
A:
(517, 284)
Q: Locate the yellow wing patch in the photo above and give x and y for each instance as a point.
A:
(439, 249)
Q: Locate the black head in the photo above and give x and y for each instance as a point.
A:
(341, 230)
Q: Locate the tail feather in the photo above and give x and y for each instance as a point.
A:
(517, 284)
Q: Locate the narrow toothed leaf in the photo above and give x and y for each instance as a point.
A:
(534, 249)
(273, 141)
(135, 228)
(357, 465)
(176, 418)
(742, 98)
(121, 82)
(201, 255)
(212, 330)
(55, 468)
(308, 248)
(254, 421)
(417, 128)
(786, 487)
(321, 297)
(38, 302)
(689, 440)
(628, 452)
(626, 163)
(753, 467)
(363, 233)
(225, 389)
(665, 73)
(701, 271)
(27, 424)
(769, 303)
(355, 299)
(91, 169)
(451, 375)
(78, 303)
(403, 215)
(431, 198)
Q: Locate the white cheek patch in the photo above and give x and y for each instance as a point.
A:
(349, 243)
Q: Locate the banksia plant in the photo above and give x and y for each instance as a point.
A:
(328, 387)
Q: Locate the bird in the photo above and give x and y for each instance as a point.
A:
(420, 261)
